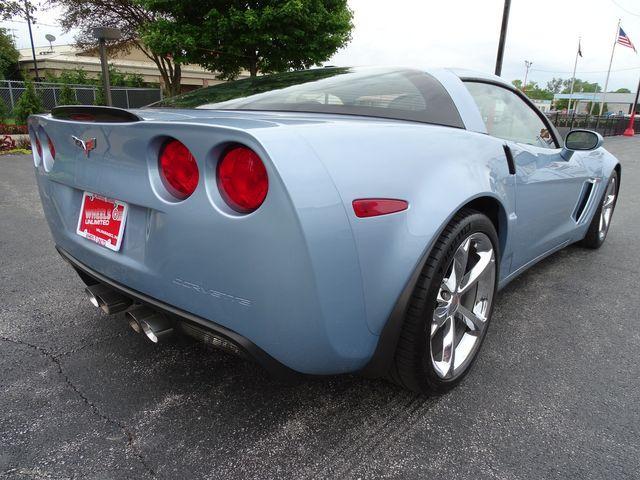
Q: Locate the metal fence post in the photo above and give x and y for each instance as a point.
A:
(126, 92)
(11, 99)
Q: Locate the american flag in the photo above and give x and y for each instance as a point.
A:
(623, 39)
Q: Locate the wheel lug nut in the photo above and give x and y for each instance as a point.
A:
(445, 295)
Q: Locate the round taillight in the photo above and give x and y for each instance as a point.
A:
(242, 179)
(178, 169)
(52, 148)
(38, 147)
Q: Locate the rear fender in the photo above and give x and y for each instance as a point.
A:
(437, 170)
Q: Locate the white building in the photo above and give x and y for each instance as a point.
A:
(616, 102)
(543, 105)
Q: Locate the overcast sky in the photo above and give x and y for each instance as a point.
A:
(464, 33)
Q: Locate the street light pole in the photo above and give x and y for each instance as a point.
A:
(103, 34)
(33, 48)
(503, 36)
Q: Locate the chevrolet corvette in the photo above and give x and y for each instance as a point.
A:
(325, 221)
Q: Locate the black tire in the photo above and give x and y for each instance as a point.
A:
(412, 367)
(593, 238)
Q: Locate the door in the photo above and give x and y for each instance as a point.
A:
(548, 187)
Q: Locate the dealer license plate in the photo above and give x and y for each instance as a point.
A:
(102, 220)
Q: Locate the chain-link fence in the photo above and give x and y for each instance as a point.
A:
(123, 97)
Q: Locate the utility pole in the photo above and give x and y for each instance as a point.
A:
(527, 64)
(503, 36)
(33, 48)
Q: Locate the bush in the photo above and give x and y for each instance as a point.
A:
(4, 111)
(28, 104)
(100, 96)
(67, 97)
(6, 129)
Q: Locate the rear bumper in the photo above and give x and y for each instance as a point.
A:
(205, 330)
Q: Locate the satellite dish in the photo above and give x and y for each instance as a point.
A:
(50, 38)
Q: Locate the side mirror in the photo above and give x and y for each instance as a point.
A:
(581, 140)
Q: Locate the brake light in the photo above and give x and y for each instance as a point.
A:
(38, 147)
(52, 148)
(178, 169)
(242, 179)
(373, 207)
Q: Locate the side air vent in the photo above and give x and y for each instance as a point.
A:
(91, 114)
(583, 201)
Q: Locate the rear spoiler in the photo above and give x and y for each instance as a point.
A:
(80, 113)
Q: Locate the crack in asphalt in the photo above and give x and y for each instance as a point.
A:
(94, 408)
(88, 345)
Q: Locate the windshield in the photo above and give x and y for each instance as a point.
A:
(386, 93)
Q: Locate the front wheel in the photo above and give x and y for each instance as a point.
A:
(599, 226)
(450, 308)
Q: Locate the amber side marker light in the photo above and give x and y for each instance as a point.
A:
(373, 207)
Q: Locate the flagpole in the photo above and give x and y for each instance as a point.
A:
(573, 79)
(606, 83)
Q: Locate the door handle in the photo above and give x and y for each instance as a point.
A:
(510, 162)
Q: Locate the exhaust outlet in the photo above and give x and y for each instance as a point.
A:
(108, 300)
(155, 326)
(94, 292)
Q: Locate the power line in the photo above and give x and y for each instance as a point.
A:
(593, 71)
(623, 8)
(36, 23)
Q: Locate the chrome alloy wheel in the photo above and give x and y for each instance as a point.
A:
(463, 304)
(607, 208)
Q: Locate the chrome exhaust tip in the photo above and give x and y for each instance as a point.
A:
(107, 299)
(155, 326)
(94, 292)
(133, 323)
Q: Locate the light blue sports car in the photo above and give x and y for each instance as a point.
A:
(321, 222)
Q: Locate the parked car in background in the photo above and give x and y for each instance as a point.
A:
(324, 221)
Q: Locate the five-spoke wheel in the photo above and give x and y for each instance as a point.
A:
(451, 306)
(599, 226)
(462, 305)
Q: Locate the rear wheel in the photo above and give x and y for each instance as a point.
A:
(599, 227)
(450, 307)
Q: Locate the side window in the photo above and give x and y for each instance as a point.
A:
(508, 117)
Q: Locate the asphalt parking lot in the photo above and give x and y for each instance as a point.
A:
(555, 393)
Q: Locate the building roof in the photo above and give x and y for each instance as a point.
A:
(69, 57)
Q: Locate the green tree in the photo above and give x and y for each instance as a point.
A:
(228, 36)
(623, 90)
(533, 91)
(28, 103)
(15, 8)
(580, 86)
(4, 111)
(8, 56)
(128, 16)
(67, 97)
(554, 85)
